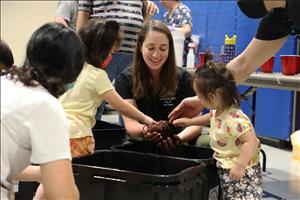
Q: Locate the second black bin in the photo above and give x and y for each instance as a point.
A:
(107, 135)
(116, 175)
(201, 155)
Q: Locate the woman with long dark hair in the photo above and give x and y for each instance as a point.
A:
(154, 84)
(34, 128)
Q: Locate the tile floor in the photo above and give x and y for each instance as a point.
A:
(282, 176)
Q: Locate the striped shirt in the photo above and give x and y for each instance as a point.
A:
(127, 13)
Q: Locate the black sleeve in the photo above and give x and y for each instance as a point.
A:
(123, 84)
(272, 26)
(185, 84)
(293, 9)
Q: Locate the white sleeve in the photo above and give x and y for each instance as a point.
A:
(64, 10)
(49, 135)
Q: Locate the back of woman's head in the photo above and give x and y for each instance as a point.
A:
(54, 57)
(140, 73)
(99, 37)
(214, 77)
(6, 56)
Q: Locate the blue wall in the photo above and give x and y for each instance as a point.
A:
(212, 20)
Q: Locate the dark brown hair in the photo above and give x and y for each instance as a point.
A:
(99, 37)
(140, 74)
(6, 56)
(214, 76)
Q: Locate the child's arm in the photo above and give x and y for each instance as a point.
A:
(133, 127)
(125, 108)
(248, 149)
(202, 120)
(30, 173)
(189, 133)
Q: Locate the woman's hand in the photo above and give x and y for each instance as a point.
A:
(170, 142)
(236, 172)
(151, 136)
(189, 107)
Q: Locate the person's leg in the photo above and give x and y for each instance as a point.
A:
(39, 194)
(249, 187)
(119, 62)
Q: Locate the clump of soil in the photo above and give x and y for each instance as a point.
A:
(163, 128)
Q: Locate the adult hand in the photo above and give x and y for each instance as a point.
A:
(189, 107)
(170, 142)
(151, 136)
(148, 120)
(236, 172)
(152, 8)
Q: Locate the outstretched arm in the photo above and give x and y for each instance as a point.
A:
(189, 107)
(256, 54)
(125, 108)
(58, 180)
(203, 120)
(137, 129)
(133, 127)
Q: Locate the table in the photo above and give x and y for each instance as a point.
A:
(274, 81)
(270, 80)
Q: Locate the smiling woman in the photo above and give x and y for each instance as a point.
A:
(155, 58)
(155, 54)
(154, 84)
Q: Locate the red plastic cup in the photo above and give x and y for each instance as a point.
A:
(290, 64)
(267, 67)
(298, 63)
(201, 58)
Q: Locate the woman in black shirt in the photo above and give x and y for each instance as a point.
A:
(154, 84)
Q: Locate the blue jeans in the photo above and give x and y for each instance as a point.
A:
(119, 62)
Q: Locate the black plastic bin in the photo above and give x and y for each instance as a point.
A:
(26, 190)
(201, 155)
(182, 151)
(107, 135)
(116, 175)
